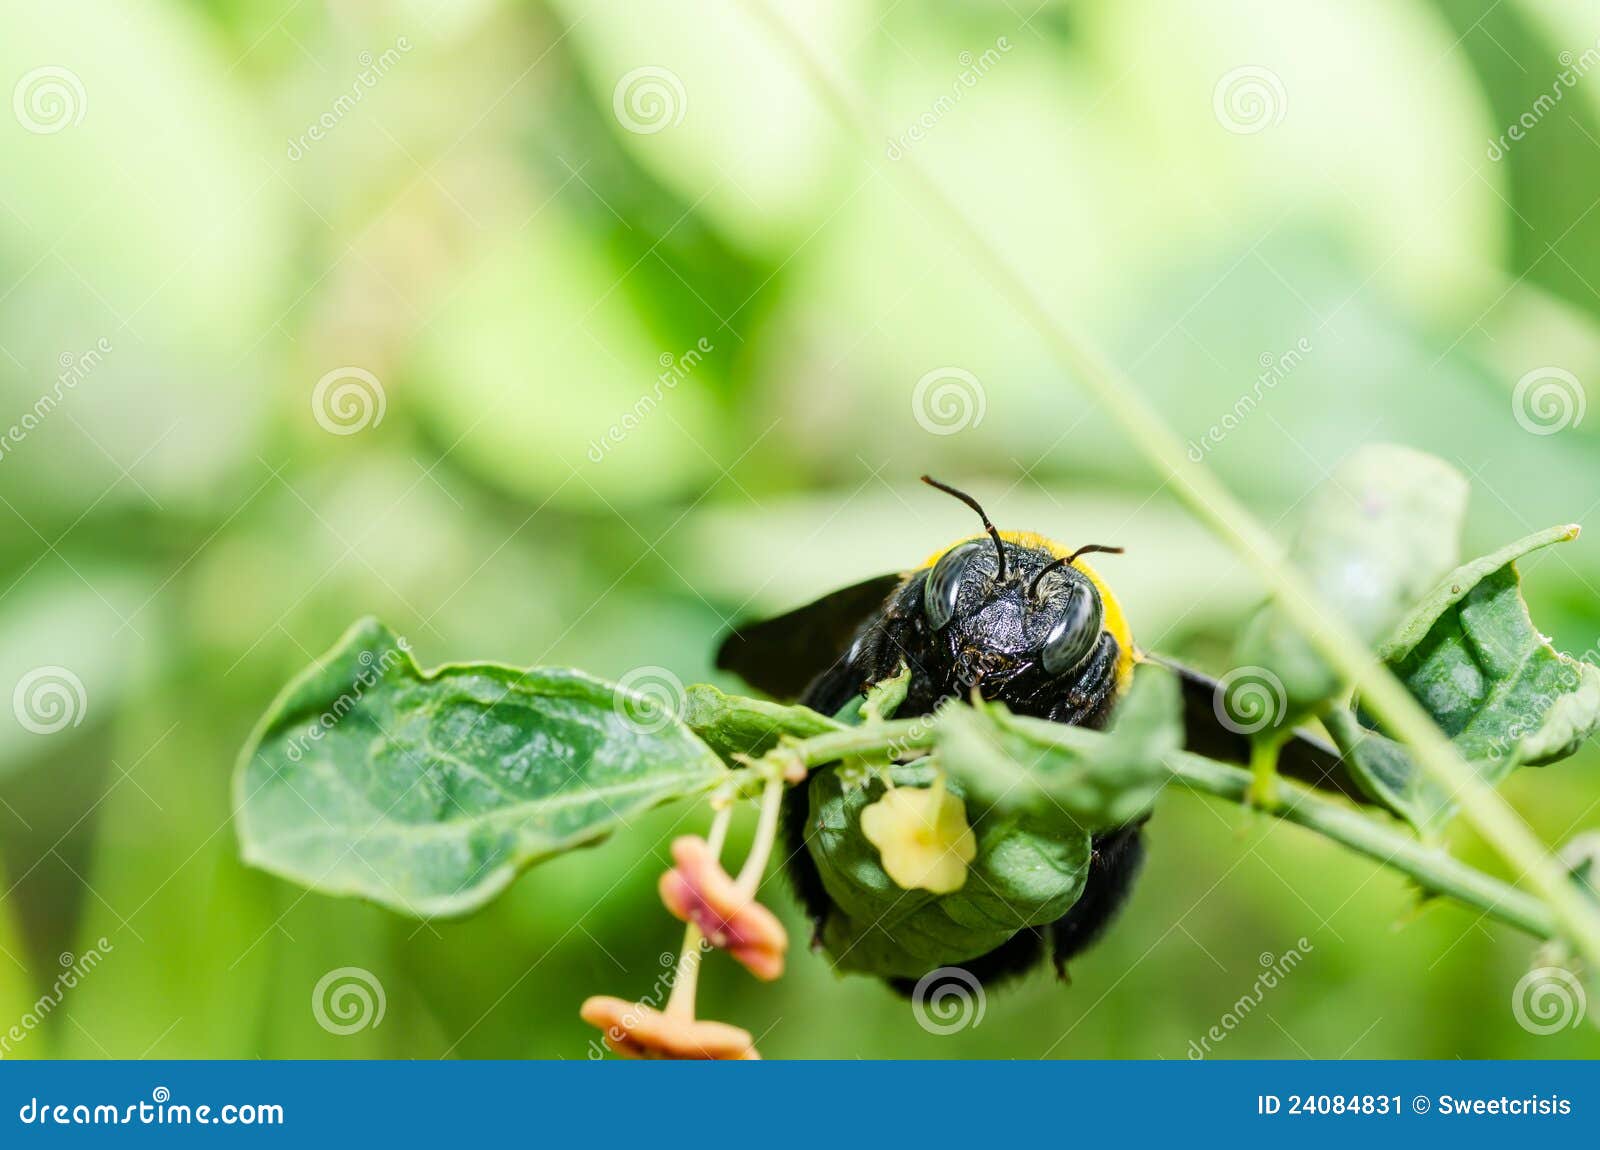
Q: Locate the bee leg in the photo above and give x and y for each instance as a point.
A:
(1115, 864)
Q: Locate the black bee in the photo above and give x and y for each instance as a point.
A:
(1024, 622)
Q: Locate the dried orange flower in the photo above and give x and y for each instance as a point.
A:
(634, 1030)
(699, 892)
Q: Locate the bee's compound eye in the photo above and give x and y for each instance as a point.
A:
(1075, 634)
(943, 585)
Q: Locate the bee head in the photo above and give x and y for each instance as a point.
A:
(1001, 608)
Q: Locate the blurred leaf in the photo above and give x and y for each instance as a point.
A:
(1099, 780)
(717, 108)
(543, 378)
(136, 226)
(326, 543)
(1248, 378)
(1029, 870)
(69, 643)
(1472, 657)
(685, 275)
(1377, 536)
(1533, 84)
(429, 793)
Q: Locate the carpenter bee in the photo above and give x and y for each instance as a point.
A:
(1022, 621)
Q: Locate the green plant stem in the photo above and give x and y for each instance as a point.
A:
(889, 737)
(755, 863)
(1264, 749)
(1211, 501)
(1433, 869)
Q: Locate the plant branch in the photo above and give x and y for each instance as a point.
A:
(1211, 501)
(1432, 869)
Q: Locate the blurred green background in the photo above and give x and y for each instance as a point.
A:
(486, 216)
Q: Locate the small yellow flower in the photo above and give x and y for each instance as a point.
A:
(922, 836)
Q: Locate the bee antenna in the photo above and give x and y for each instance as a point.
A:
(1067, 561)
(999, 548)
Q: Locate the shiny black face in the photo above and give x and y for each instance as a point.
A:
(1041, 620)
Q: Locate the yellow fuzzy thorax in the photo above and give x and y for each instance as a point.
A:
(1116, 622)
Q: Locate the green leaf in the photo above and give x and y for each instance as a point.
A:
(1471, 655)
(1030, 869)
(883, 698)
(636, 428)
(429, 792)
(1380, 532)
(735, 725)
(1096, 780)
(1459, 583)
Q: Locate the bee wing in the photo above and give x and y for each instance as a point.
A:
(1305, 757)
(781, 656)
